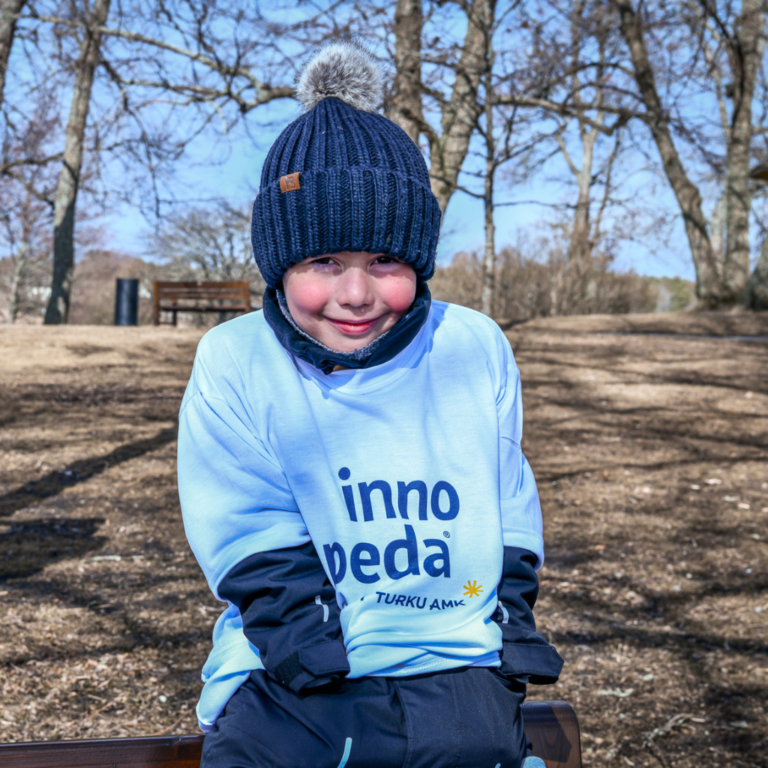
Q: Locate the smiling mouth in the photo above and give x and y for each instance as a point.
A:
(353, 328)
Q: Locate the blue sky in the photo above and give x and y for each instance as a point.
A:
(230, 168)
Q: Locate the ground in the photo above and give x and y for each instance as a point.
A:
(649, 441)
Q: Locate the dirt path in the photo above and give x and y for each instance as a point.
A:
(651, 455)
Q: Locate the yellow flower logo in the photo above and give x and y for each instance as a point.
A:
(472, 590)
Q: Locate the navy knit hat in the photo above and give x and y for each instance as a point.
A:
(343, 178)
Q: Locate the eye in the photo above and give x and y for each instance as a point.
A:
(322, 260)
(387, 260)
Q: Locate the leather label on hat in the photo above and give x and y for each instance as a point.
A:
(290, 182)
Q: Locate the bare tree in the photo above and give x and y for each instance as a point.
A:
(708, 50)
(721, 279)
(26, 231)
(9, 16)
(491, 165)
(22, 113)
(458, 105)
(464, 107)
(221, 62)
(757, 287)
(549, 80)
(460, 112)
(212, 243)
(148, 71)
(580, 247)
(69, 179)
(744, 53)
(479, 103)
(190, 55)
(572, 62)
(222, 70)
(503, 136)
(587, 59)
(403, 103)
(26, 208)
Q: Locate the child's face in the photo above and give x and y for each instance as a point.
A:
(346, 300)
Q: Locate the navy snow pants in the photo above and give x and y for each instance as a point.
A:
(464, 718)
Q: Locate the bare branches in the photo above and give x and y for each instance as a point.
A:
(459, 114)
(721, 45)
(69, 178)
(26, 210)
(567, 86)
(9, 14)
(576, 111)
(405, 98)
(687, 194)
(211, 243)
(7, 167)
(264, 91)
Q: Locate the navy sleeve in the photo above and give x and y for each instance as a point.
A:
(290, 614)
(526, 655)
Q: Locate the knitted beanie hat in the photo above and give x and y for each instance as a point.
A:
(342, 177)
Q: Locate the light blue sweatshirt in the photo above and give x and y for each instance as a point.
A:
(408, 477)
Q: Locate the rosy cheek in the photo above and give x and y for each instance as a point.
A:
(306, 295)
(400, 296)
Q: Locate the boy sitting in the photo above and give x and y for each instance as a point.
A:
(351, 476)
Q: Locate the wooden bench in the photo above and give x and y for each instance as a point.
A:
(551, 726)
(226, 296)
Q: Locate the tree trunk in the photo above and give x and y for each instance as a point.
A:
(489, 259)
(460, 114)
(19, 267)
(404, 106)
(708, 287)
(744, 57)
(577, 268)
(757, 288)
(9, 11)
(69, 179)
(717, 227)
(579, 247)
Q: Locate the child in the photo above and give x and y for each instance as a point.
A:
(351, 477)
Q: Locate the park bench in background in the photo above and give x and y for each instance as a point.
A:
(226, 296)
(551, 726)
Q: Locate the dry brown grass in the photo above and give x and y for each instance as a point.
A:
(654, 592)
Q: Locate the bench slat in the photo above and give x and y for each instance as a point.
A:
(176, 297)
(229, 296)
(154, 752)
(200, 283)
(195, 293)
(551, 726)
(204, 308)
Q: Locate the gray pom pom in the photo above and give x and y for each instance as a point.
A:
(344, 70)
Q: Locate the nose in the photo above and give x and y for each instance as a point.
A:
(355, 288)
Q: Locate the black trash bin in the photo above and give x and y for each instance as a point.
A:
(127, 301)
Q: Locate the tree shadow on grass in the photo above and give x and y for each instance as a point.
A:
(56, 481)
(28, 547)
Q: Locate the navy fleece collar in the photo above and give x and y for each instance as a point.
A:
(380, 350)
